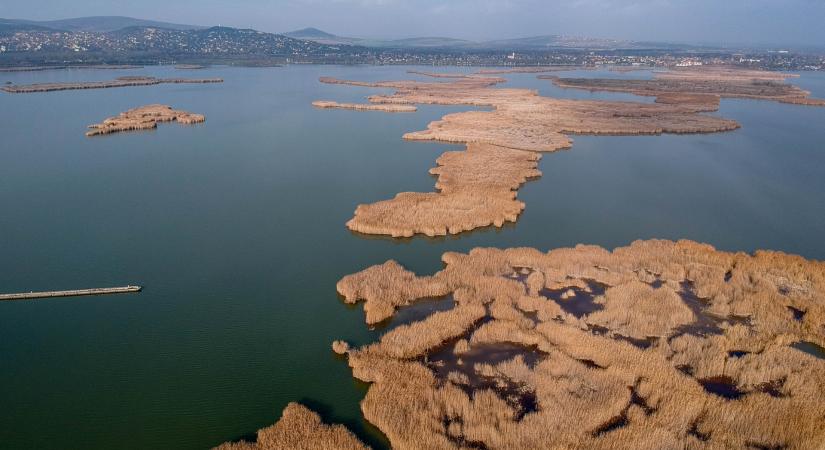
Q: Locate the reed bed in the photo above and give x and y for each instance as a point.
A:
(299, 429)
(579, 383)
(477, 188)
(126, 81)
(143, 118)
(702, 87)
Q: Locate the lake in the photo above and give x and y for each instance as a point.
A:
(235, 228)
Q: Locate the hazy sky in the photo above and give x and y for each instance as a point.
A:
(757, 21)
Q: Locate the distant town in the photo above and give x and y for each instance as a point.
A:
(24, 43)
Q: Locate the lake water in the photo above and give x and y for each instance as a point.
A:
(236, 230)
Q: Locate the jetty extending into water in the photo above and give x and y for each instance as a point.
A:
(71, 293)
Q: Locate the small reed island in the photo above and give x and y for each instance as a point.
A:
(190, 66)
(534, 69)
(363, 107)
(143, 118)
(477, 188)
(116, 83)
(656, 345)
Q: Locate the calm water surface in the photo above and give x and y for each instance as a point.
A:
(236, 230)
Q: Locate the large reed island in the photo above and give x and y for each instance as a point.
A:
(656, 345)
(478, 188)
(477, 192)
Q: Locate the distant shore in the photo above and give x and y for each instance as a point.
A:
(91, 66)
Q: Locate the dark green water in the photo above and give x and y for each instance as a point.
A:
(236, 230)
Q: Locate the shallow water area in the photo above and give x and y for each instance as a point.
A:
(722, 386)
(810, 348)
(575, 300)
(463, 369)
(418, 310)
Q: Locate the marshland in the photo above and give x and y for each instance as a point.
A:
(508, 367)
(217, 347)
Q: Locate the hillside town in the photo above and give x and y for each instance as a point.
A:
(151, 45)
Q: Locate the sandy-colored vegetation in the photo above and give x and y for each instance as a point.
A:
(385, 288)
(523, 120)
(365, 107)
(143, 118)
(477, 188)
(703, 86)
(724, 73)
(638, 310)
(118, 82)
(299, 429)
(508, 368)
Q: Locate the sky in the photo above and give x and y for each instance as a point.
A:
(799, 22)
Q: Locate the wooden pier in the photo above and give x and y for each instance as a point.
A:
(71, 293)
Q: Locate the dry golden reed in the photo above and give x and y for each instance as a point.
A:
(702, 87)
(143, 118)
(448, 381)
(477, 188)
(299, 429)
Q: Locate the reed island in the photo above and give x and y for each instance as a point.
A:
(701, 86)
(129, 81)
(477, 187)
(143, 118)
(363, 107)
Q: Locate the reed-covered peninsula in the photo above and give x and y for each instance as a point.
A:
(477, 188)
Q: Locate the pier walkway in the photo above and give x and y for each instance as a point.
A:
(70, 293)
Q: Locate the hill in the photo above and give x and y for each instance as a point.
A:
(420, 42)
(322, 37)
(134, 44)
(95, 24)
(311, 34)
(532, 43)
(15, 26)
